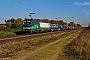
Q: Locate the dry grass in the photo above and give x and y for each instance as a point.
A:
(79, 48)
(11, 49)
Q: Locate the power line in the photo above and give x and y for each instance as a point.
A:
(24, 4)
(28, 6)
(13, 8)
(47, 11)
(71, 19)
(51, 8)
(19, 2)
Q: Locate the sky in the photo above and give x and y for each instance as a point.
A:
(66, 10)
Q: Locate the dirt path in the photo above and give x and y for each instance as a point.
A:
(56, 55)
(53, 57)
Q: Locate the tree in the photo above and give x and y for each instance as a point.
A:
(37, 20)
(20, 19)
(89, 25)
(19, 22)
(78, 25)
(64, 23)
(61, 22)
(16, 24)
(72, 23)
(75, 25)
(46, 20)
(52, 21)
(8, 23)
(12, 20)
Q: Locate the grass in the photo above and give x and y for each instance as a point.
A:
(46, 52)
(50, 50)
(79, 48)
(3, 33)
(12, 49)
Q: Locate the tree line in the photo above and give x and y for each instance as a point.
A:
(73, 24)
(12, 25)
(16, 24)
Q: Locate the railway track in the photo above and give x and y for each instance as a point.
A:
(7, 39)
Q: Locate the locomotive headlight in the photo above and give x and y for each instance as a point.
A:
(26, 27)
(37, 26)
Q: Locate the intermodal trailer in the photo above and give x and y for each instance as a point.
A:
(44, 26)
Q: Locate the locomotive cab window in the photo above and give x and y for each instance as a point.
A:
(34, 22)
(26, 22)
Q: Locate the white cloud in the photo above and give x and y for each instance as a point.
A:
(86, 12)
(78, 3)
(81, 4)
(68, 5)
(85, 3)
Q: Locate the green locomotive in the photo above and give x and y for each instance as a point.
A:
(32, 26)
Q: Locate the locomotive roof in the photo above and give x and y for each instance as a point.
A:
(27, 19)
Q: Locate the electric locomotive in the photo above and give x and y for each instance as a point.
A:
(32, 26)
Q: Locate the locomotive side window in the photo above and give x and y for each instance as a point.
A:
(26, 22)
(34, 22)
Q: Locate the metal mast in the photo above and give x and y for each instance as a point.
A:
(31, 14)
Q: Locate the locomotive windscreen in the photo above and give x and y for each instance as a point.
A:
(29, 22)
(26, 22)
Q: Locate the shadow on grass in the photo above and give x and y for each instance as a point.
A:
(19, 32)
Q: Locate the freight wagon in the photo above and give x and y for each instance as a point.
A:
(56, 27)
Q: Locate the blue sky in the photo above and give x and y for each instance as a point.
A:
(51, 9)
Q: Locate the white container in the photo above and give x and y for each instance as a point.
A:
(44, 25)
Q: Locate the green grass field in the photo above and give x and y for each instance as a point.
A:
(50, 44)
(3, 33)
